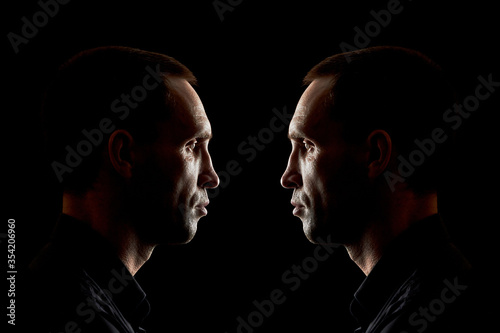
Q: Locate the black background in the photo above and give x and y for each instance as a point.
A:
(248, 64)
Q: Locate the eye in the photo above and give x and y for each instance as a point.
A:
(191, 145)
(307, 146)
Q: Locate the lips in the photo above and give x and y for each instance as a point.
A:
(298, 207)
(204, 204)
(201, 207)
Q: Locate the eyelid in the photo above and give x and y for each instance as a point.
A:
(198, 142)
(307, 144)
(191, 143)
(297, 141)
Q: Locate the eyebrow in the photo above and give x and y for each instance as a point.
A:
(204, 136)
(295, 136)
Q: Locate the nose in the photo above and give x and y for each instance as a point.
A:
(208, 177)
(291, 178)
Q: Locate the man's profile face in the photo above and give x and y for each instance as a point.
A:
(330, 185)
(170, 189)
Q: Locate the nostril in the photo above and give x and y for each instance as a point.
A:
(209, 185)
(285, 182)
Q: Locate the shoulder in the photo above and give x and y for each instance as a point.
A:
(61, 295)
(430, 304)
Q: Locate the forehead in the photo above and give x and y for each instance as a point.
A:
(311, 118)
(188, 118)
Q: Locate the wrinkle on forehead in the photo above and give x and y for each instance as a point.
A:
(309, 117)
(190, 117)
(314, 96)
(198, 111)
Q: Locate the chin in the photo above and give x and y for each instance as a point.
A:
(182, 231)
(318, 230)
(311, 230)
(313, 234)
(168, 229)
(313, 225)
(189, 233)
(175, 236)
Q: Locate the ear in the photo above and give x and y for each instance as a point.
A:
(380, 148)
(120, 152)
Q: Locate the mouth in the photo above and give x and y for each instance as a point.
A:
(202, 207)
(298, 208)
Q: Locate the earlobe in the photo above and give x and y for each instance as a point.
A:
(380, 148)
(120, 152)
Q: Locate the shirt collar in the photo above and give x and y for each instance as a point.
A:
(398, 261)
(99, 259)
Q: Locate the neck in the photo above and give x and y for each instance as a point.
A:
(100, 214)
(393, 219)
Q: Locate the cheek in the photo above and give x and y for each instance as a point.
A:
(188, 176)
(313, 188)
(169, 173)
(185, 176)
(321, 178)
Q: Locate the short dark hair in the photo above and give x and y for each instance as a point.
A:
(396, 89)
(89, 88)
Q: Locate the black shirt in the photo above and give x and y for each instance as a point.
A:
(78, 284)
(422, 283)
